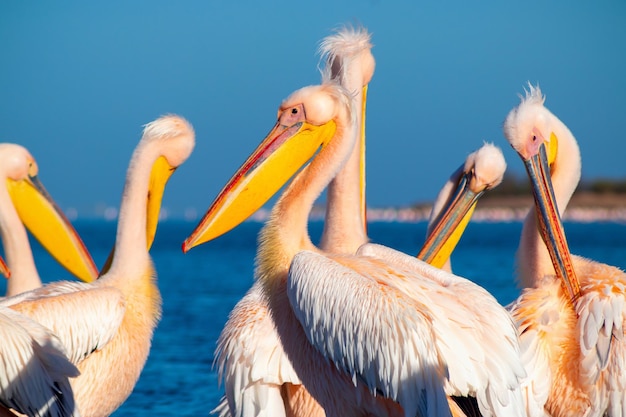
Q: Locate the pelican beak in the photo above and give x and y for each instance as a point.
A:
(363, 203)
(4, 269)
(45, 220)
(451, 222)
(160, 174)
(291, 143)
(550, 225)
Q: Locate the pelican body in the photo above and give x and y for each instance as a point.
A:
(107, 325)
(398, 361)
(571, 313)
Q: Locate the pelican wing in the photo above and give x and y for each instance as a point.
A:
(600, 332)
(251, 361)
(61, 308)
(488, 366)
(600, 309)
(373, 333)
(35, 370)
(617, 380)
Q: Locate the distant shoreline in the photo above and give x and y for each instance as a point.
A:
(584, 207)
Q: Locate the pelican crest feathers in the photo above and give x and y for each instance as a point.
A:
(346, 43)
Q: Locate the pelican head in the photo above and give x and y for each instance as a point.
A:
(528, 126)
(530, 129)
(171, 138)
(307, 121)
(483, 170)
(485, 167)
(40, 214)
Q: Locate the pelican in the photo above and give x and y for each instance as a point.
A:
(571, 313)
(24, 199)
(259, 379)
(375, 332)
(482, 171)
(107, 325)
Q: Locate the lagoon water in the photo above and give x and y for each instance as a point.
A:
(201, 287)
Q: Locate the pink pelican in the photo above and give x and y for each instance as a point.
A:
(24, 201)
(107, 325)
(571, 312)
(376, 332)
(258, 377)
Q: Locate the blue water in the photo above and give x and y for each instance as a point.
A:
(200, 288)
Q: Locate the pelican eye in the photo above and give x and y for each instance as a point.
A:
(534, 138)
(294, 111)
(32, 169)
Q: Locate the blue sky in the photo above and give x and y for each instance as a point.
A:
(79, 79)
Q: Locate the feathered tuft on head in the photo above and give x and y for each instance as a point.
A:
(169, 125)
(346, 42)
(533, 95)
(176, 135)
(527, 116)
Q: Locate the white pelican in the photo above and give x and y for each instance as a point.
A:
(482, 171)
(377, 332)
(107, 325)
(24, 199)
(35, 382)
(571, 323)
(258, 377)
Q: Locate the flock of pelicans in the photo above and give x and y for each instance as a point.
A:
(348, 328)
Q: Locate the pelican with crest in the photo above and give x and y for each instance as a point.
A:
(571, 312)
(258, 376)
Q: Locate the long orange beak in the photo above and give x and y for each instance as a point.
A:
(550, 225)
(291, 143)
(4, 269)
(45, 220)
(451, 222)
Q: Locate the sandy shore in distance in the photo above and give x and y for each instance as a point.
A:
(583, 207)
